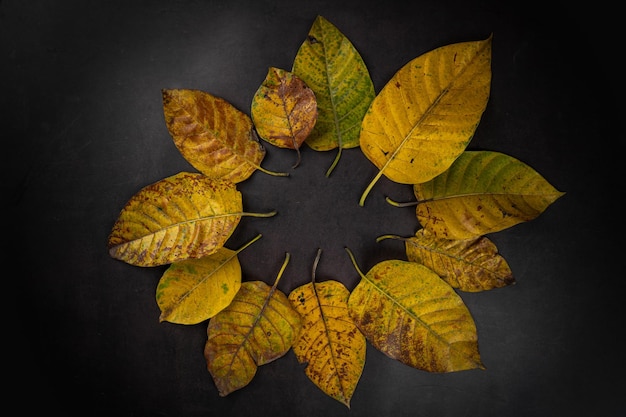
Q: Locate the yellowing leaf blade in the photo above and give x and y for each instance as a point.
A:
(470, 265)
(258, 326)
(410, 314)
(284, 110)
(426, 115)
(482, 192)
(330, 344)
(187, 215)
(212, 135)
(332, 67)
(195, 290)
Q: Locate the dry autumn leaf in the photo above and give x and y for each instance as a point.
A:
(330, 344)
(194, 290)
(470, 265)
(284, 110)
(187, 215)
(212, 135)
(259, 326)
(332, 67)
(426, 115)
(482, 192)
(410, 314)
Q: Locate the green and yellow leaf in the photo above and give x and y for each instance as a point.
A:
(187, 215)
(470, 265)
(410, 314)
(332, 67)
(212, 135)
(194, 290)
(482, 192)
(426, 115)
(284, 110)
(330, 344)
(260, 325)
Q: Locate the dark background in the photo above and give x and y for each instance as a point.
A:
(83, 130)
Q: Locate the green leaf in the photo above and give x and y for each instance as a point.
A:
(482, 192)
(332, 67)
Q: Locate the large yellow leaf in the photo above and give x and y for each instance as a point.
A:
(332, 67)
(195, 290)
(212, 135)
(330, 344)
(410, 314)
(482, 192)
(259, 326)
(470, 265)
(187, 215)
(284, 110)
(426, 115)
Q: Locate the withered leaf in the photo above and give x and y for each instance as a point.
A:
(284, 110)
(260, 325)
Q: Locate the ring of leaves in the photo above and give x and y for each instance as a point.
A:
(415, 131)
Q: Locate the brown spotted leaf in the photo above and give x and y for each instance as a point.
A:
(284, 110)
(330, 344)
(260, 325)
(470, 265)
(410, 314)
(187, 215)
(212, 135)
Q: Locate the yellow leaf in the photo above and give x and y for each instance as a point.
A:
(212, 135)
(426, 115)
(195, 290)
(470, 265)
(332, 67)
(482, 192)
(284, 110)
(259, 326)
(330, 344)
(187, 215)
(410, 314)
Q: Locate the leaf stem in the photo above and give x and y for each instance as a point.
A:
(398, 204)
(272, 173)
(354, 262)
(315, 262)
(383, 237)
(270, 214)
(369, 188)
(335, 161)
(257, 237)
(282, 270)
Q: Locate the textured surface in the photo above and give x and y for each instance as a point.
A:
(83, 130)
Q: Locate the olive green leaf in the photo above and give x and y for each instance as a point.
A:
(426, 115)
(187, 215)
(284, 110)
(330, 344)
(482, 192)
(212, 135)
(195, 290)
(410, 314)
(260, 325)
(470, 265)
(332, 67)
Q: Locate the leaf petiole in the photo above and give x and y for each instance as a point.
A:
(399, 204)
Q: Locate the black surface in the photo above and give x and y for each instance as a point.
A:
(83, 130)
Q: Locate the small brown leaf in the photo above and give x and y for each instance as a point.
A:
(284, 110)
(470, 265)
